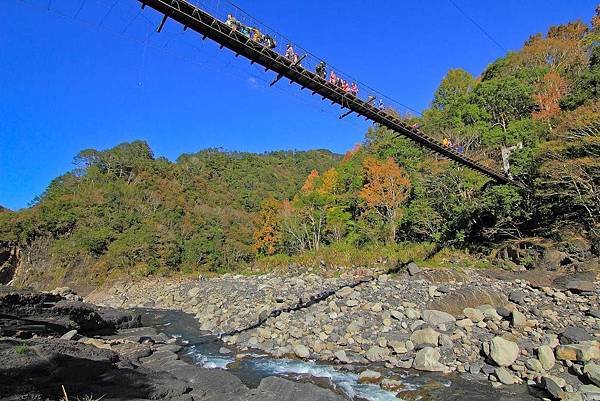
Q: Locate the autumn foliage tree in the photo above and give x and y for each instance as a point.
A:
(386, 189)
(550, 90)
(266, 232)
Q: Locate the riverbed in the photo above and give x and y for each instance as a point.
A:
(251, 366)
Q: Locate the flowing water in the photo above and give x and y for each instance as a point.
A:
(203, 349)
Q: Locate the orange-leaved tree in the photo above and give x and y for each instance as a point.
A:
(550, 90)
(386, 189)
(266, 235)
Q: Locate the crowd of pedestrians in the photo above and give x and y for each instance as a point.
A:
(351, 88)
(320, 71)
(250, 32)
(456, 146)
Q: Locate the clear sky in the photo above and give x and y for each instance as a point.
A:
(93, 81)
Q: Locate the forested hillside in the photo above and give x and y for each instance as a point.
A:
(124, 211)
(539, 104)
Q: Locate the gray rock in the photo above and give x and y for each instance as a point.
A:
(280, 389)
(488, 369)
(503, 352)
(428, 359)
(518, 319)
(505, 377)
(369, 376)
(592, 371)
(436, 317)
(475, 315)
(413, 269)
(69, 335)
(426, 336)
(475, 367)
(591, 392)
(301, 351)
(553, 386)
(574, 335)
(517, 296)
(534, 365)
(377, 354)
(579, 286)
(502, 311)
(341, 356)
(546, 357)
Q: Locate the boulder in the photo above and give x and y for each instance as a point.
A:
(426, 336)
(546, 357)
(590, 391)
(505, 377)
(489, 312)
(369, 376)
(553, 386)
(592, 371)
(475, 315)
(579, 286)
(413, 269)
(279, 389)
(70, 335)
(467, 297)
(377, 354)
(534, 365)
(436, 317)
(503, 352)
(588, 350)
(428, 359)
(574, 335)
(301, 351)
(341, 356)
(517, 296)
(518, 319)
(583, 352)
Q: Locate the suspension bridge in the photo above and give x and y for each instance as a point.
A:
(205, 22)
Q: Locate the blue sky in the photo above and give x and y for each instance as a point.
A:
(94, 81)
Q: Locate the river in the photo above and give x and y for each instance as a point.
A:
(205, 350)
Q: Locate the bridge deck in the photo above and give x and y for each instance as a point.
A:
(210, 27)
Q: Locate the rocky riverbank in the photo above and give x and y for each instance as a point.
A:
(470, 323)
(53, 345)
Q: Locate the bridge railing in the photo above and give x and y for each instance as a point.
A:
(222, 8)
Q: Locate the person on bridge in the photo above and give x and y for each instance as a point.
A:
(345, 86)
(333, 78)
(290, 54)
(321, 70)
(257, 36)
(445, 141)
(269, 41)
(232, 22)
(460, 149)
(354, 89)
(381, 106)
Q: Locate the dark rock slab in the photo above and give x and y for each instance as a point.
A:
(517, 296)
(280, 389)
(574, 335)
(467, 297)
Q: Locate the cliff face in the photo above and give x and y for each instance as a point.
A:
(9, 261)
